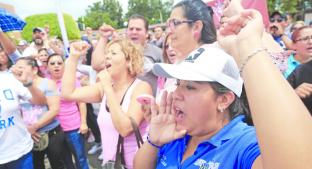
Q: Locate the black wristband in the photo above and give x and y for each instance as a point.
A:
(28, 84)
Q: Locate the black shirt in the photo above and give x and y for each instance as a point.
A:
(302, 74)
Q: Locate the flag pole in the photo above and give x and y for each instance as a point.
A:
(62, 26)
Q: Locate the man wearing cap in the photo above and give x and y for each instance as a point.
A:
(37, 43)
(22, 45)
(278, 23)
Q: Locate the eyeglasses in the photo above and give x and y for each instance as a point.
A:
(172, 23)
(279, 20)
(56, 63)
(305, 39)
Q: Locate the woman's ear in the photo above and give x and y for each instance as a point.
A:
(129, 63)
(35, 71)
(197, 29)
(225, 100)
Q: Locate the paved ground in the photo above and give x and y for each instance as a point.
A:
(94, 163)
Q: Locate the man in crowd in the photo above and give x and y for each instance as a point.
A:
(158, 34)
(37, 43)
(40, 41)
(278, 23)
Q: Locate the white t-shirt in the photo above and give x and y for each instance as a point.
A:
(15, 141)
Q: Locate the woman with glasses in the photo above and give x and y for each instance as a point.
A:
(302, 43)
(300, 78)
(40, 119)
(72, 114)
(190, 26)
(200, 125)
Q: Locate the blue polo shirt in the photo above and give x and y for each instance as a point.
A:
(235, 146)
(292, 63)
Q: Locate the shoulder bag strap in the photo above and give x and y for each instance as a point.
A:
(120, 159)
(137, 133)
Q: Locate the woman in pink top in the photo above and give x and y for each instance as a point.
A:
(72, 114)
(42, 59)
(117, 89)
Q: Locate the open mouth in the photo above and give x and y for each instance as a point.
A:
(179, 114)
(56, 70)
(172, 55)
(108, 65)
(134, 38)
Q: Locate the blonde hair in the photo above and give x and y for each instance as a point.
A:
(133, 54)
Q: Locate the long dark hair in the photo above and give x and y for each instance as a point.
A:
(239, 106)
(197, 10)
(32, 62)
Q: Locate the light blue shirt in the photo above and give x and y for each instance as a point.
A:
(235, 146)
(27, 107)
(292, 63)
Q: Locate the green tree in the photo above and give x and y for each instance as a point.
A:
(40, 20)
(289, 6)
(155, 11)
(114, 11)
(105, 11)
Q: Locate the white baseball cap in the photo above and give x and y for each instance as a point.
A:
(207, 63)
(22, 43)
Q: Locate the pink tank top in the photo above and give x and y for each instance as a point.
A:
(109, 134)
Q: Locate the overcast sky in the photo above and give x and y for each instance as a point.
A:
(76, 8)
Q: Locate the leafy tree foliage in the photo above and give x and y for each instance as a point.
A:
(289, 6)
(105, 11)
(50, 19)
(156, 11)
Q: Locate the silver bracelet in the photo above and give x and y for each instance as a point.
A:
(249, 57)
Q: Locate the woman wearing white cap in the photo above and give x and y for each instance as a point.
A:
(198, 126)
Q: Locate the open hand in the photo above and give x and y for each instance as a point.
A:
(163, 125)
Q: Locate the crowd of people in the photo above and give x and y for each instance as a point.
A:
(237, 96)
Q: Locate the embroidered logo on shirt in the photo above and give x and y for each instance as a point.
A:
(191, 58)
(163, 160)
(202, 164)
